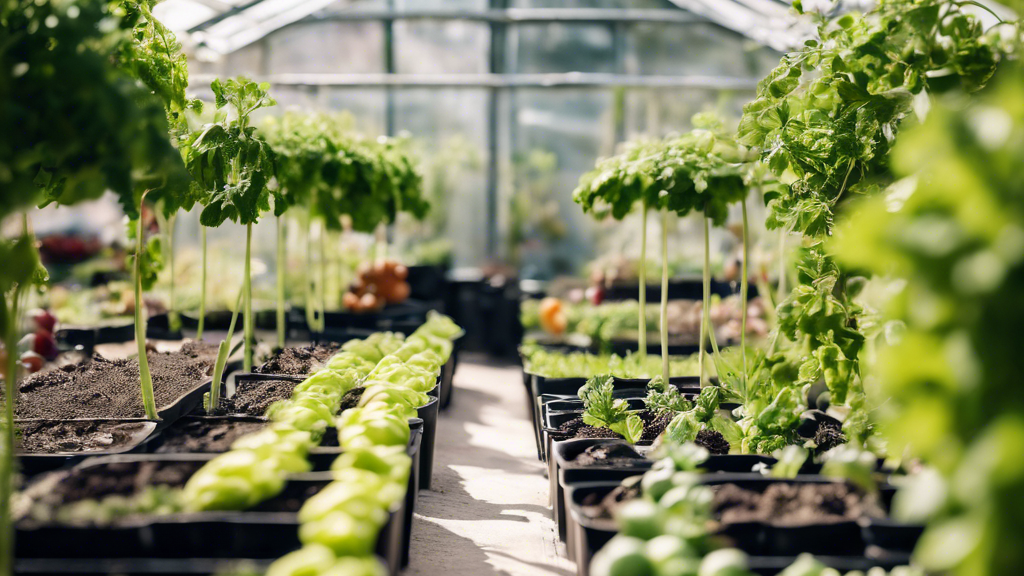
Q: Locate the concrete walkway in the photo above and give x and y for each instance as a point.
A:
(487, 510)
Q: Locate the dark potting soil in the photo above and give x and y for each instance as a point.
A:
(253, 397)
(103, 388)
(783, 504)
(575, 428)
(713, 441)
(55, 436)
(351, 398)
(120, 478)
(828, 437)
(616, 455)
(195, 435)
(298, 361)
(654, 425)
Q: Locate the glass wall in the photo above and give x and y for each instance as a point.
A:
(503, 127)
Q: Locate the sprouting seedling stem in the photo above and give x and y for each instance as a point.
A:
(280, 282)
(743, 293)
(145, 379)
(665, 216)
(247, 288)
(202, 287)
(642, 319)
(706, 304)
(222, 357)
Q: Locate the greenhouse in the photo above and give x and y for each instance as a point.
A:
(511, 287)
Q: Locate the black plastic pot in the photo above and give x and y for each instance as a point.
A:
(158, 327)
(31, 464)
(540, 385)
(427, 281)
(220, 320)
(265, 532)
(339, 320)
(90, 336)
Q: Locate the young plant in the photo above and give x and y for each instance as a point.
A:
(233, 165)
(826, 118)
(663, 398)
(602, 410)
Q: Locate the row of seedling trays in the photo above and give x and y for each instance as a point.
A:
(591, 477)
(68, 463)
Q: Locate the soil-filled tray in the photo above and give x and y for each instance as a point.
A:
(254, 393)
(298, 360)
(102, 388)
(761, 516)
(599, 460)
(541, 385)
(268, 531)
(204, 434)
(50, 444)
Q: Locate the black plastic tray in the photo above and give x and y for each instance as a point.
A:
(31, 464)
(249, 534)
(567, 472)
(339, 320)
(157, 440)
(754, 538)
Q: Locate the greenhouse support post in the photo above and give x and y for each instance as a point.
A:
(665, 216)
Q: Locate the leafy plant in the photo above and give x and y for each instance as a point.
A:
(602, 410)
(703, 416)
(697, 171)
(951, 232)
(824, 121)
(232, 166)
(664, 398)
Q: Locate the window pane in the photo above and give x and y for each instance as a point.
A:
(432, 47)
(326, 47)
(564, 48)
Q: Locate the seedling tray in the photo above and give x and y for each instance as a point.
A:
(31, 464)
(263, 532)
(755, 538)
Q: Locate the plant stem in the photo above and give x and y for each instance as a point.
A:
(705, 320)
(310, 309)
(145, 379)
(222, 358)
(202, 287)
(664, 296)
(7, 460)
(247, 288)
(323, 277)
(743, 293)
(280, 282)
(643, 286)
(173, 319)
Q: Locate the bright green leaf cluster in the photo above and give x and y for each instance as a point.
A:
(827, 115)
(602, 410)
(697, 171)
(74, 124)
(231, 163)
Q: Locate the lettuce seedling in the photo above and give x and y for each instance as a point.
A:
(602, 410)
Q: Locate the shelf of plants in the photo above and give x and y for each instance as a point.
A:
(803, 431)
